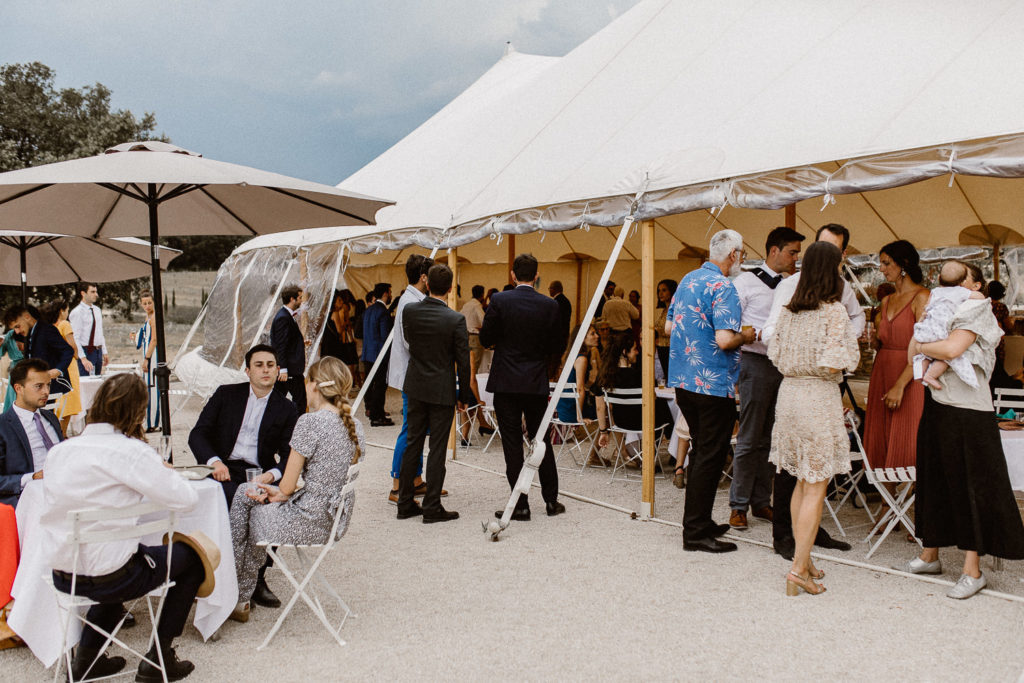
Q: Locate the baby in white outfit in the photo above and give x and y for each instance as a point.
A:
(935, 326)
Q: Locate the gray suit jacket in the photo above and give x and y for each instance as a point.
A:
(438, 345)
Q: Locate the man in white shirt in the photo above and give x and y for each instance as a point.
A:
(759, 382)
(87, 323)
(27, 431)
(416, 267)
(104, 468)
(782, 522)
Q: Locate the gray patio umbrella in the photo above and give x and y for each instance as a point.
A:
(33, 259)
(153, 188)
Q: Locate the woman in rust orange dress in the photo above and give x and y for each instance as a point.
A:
(895, 400)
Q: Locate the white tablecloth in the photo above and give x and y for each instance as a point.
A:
(1013, 449)
(670, 395)
(36, 617)
(87, 388)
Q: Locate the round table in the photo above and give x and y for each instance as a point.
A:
(36, 616)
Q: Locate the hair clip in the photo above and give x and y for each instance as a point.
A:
(328, 383)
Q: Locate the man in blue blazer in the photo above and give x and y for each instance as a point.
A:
(376, 327)
(27, 431)
(523, 327)
(43, 341)
(290, 347)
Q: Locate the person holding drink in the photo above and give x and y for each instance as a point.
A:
(145, 339)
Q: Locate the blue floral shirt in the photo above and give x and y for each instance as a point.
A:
(705, 301)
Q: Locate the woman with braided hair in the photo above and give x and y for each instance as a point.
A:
(326, 440)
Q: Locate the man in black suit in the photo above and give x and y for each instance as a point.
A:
(438, 344)
(245, 426)
(43, 341)
(556, 292)
(609, 289)
(27, 430)
(290, 347)
(523, 327)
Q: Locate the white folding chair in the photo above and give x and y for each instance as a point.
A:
(84, 531)
(1008, 398)
(568, 431)
(114, 368)
(846, 485)
(487, 407)
(310, 566)
(899, 502)
(629, 397)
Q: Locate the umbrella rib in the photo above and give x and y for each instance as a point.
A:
(319, 204)
(179, 191)
(25, 193)
(120, 190)
(66, 263)
(227, 210)
(109, 213)
(114, 249)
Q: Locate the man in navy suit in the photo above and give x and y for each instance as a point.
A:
(376, 327)
(245, 426)
(523, 327)
(43, 341)
(27, 431)
(290, 347)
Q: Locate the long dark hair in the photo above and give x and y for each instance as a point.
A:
(619, 346)
(904, 254)
(671, 284)
(819, 278)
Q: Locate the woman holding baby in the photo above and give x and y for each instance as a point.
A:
(894, 399)
(963, 490)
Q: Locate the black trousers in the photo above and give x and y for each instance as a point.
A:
(296, 386)
(511, 411)
(423, 417)
(711, 420)
(147, 569)
(376, 393)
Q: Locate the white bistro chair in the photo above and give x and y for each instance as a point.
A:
(1009, 398)
(487, 407)
(568, 431)
(846, 485)
(84, 531)
(629, 397)
(306, 583)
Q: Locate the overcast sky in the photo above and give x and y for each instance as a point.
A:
(310, 89)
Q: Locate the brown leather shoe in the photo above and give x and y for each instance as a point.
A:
(421, 490)
(738, 519)
(764, 513)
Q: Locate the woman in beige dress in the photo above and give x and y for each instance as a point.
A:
(811, 347)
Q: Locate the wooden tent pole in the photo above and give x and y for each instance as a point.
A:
(579, 287)
(791, 216)
(647, 294)
(453, 303)
(511, 255)
(995, 261)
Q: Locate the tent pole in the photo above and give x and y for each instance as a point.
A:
(162, 372)
(511, 255)
(579, 286)
(647, 293)
(791, 216)
(537, 448)
(380, 358)
(23, 255)
(453, 303)
(995, 261)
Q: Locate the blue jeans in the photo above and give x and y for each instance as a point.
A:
(402, 442)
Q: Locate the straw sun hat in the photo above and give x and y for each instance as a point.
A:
(209, 555)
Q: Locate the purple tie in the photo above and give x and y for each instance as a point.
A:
(42, 431)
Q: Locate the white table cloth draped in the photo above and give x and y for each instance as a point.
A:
(1013, 449)
(36, 617)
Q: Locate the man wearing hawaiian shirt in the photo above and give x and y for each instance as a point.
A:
(704, 364)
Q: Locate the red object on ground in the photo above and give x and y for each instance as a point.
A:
(10, 551)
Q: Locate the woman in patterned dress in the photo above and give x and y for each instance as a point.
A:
(326, 440)
(145, 339)
(811, 347)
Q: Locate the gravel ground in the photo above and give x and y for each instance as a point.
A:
(594, 594)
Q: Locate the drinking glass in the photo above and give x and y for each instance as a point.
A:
(165, 447)
(252, 475)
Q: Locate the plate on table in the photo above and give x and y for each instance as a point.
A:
(193, 472)
(1011, 426)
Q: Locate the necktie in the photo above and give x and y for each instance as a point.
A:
(92, 332)
(47, 442)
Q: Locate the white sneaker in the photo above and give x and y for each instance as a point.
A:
(967, 586)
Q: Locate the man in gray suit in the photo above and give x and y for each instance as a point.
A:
(438, 344)
(27, 430)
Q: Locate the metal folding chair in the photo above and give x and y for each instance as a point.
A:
(629, 397)
(75, 606)
(305, 584)
(487, 407)
(846, 485)
(568, 431)
(1008, 398)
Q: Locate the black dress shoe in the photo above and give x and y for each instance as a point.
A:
(555, 508)
(104, 666)
(129, 620)
(264, 597)
(177, 669)
(413, 510)
(486, 431)
(720, 530)
(785, 547)
(709, 545)
(518, 515)
(823, 540)
(439, 515)
(386, 422)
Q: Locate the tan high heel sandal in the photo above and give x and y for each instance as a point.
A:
(795, 582)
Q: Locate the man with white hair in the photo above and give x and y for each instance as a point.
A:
(703, 322)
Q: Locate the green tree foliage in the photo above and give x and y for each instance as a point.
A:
(201, 252)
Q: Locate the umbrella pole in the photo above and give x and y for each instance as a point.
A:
(23, 254)
(162, 372)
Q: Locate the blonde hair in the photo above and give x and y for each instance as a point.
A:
(333, 383)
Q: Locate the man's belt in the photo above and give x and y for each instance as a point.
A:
(90, 349)
(115, 575)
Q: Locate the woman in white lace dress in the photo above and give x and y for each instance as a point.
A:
(811, 347)
(326, 440)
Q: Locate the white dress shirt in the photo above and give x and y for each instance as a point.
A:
(103, 468)
(756, 301)
(81, 317)
(35, 440)
(784, 292)
(473, 311)
(249, 433)
(399, 363)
